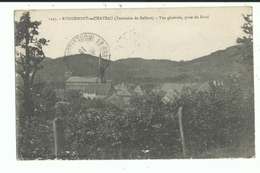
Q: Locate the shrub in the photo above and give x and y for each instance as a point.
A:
(146, 128)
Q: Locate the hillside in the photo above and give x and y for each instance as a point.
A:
(213, 66)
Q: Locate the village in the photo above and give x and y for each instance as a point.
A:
(120, 94)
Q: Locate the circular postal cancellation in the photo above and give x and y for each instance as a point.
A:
(87, 55)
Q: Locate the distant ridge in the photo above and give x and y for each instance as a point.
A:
(215, 65)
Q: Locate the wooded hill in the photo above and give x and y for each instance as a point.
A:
(211, 67)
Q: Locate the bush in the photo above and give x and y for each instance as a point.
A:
(217, 119)
(146, 128)
(35, 132)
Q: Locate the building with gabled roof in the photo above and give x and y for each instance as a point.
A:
(186, 89)
(120, 87)
(195, 86)
(115, 99)
(126, 94)
(124, 85)
(98, 90)
(210, 86)
(170, 95)
(79, 83)
(82, 79)
(174, 91)
(160, 93)
(144, 88)
(166, 87)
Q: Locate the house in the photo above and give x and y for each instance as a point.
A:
(144, 88)
(79, 83)
(98, 90)
(170, 95)
(175, 90)
(195, 86)
(115, 99)
(124, 85)
(126, 94)
(186, 89)
(176, 87)
(120, 87)
(160, 93)
(156, 89)
(210, 86)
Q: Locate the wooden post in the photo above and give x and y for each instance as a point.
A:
(182, 132)
(58, 137)
(120, 151)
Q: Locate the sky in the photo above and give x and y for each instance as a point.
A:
(174, 39)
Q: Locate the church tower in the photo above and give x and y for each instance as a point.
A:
(101, 71)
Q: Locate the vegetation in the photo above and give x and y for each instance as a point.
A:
(216, 124)
(214, 66)
(147, 128)
(29, 55)
(246, 48)
(29, 59)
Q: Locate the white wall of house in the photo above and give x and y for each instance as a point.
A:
(93, 95)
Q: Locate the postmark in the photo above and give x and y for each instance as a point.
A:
(90, 44)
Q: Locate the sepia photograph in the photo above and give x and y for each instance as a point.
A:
(134, 84)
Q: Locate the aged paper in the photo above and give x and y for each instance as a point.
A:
(119, 84)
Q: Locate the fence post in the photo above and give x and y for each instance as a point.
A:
(182, 132)
(58, 137)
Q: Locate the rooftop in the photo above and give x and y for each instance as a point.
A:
(147, 87)
(97, 88)
(172, 86)
(82, 79)
(126, 92)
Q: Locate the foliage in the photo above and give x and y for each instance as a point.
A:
(246, 48)
(34, 102)
(147, 128)
(34, 132)
(29, 58)
(218, 119)
(98, 130)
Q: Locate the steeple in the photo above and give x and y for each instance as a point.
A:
(101, 71)
(99, 60)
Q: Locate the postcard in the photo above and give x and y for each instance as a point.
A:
(134, 84)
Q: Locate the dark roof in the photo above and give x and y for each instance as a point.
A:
(161, 93)
(147, 87)
(82, 79)
(98, 88)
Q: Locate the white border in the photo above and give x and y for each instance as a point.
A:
(7, 131)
